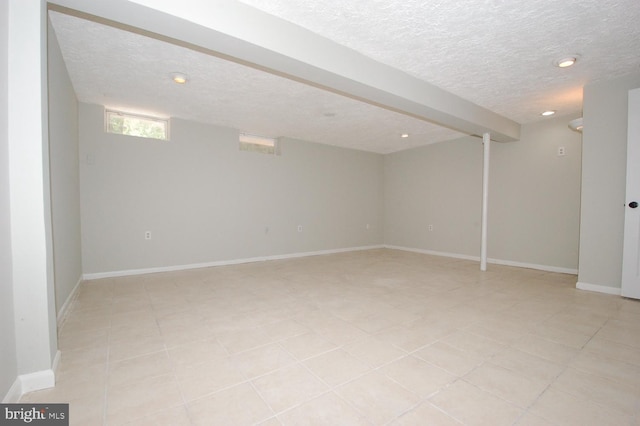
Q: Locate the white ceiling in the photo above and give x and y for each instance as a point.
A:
(496, 54)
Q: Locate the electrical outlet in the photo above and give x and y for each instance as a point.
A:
(299, 228)
(561, 151)
(147, 235)
(430, 228)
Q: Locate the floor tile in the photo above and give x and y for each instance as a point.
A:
(529, 419)
(199, 380)
(242, 340)
(506, 384)
(175, 416)
(289, 387)
(336, 367)
(621, 332)
(547, 349)
(622, 396)
(306, 345)
(609, 349)
(528, 365)
(564, 409)
(377, 397)
(87, 411)
(327, 409)
(76, 360)
(135, 346)
(128, 403)
(451, 359)
(273, 421)
(369, 333)
(406, 338)
(496, 331)
(133, 369)
(88, 382)
(284, 329)
(558, 334)
(196, 352)
(426, 414)
(341, 333)
(378, 322)
(239, 405)
(373, 351)
(417, 376)
(143, 328)
(606, 367)
(472, 343)
(262, 360)
(83, 339)
(473, 406)
(578, 321)
(180, 335)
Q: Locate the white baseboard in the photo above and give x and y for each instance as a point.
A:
(434, 253)
(31, 382)
(112, 274)
(39, 380)
(64, 310)
(599, 288)
(545, 268)
(14, 393)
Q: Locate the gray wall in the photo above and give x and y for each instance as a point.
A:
(205, 201)
(534, 197)
(604, 181)
(64, 174)
(8, 362)
(441, 185)
(534, 214)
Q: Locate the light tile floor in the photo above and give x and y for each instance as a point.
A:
(364, 338)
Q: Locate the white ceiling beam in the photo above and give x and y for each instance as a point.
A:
(244, 34)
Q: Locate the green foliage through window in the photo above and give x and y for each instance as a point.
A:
(136, 125)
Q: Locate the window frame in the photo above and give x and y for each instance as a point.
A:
(108, 112)
(248, 142)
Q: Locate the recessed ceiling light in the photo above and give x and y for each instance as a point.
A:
(548, 113)
(179, 77)
(567, 61)
(404, 135)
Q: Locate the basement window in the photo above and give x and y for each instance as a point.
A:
(124, 123)
(259, 144)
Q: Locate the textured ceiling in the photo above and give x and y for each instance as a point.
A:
(496, 54)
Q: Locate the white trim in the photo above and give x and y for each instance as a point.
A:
(56, 363)
(14, 393)
(433, 253)
(39, 380)
(545, 268)
(99, 275)
(486, 145)
(31, 382)
(64, 310)
(599, 288)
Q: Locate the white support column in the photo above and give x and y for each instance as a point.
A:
(30, 209)
(486, 143)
